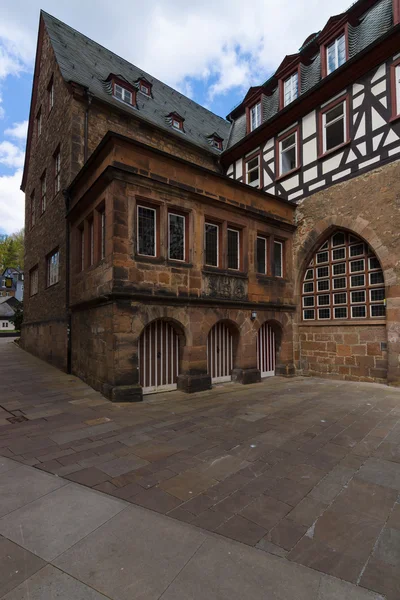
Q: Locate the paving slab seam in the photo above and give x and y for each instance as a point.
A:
(82, 582)
(184, 566)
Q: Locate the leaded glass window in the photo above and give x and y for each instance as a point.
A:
(233, 249)
(146, 231)
(261, 255)
(351, 289)
(176, 236)
(211, 242)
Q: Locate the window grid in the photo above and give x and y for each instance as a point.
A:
(253, 171)
(350, 289)
(233, 249)
(291, 88)
(146, 231)
(176, 236)
(53, 268)
(255, 116)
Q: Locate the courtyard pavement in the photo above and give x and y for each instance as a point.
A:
(305, 471)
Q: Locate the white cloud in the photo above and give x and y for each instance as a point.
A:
(17, 131)
(11, 202)
(11, 155)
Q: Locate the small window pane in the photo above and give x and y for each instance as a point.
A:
(358, 312)
(322, 257)
(325, 246)
(233, 249)
(357, 250)
(357, 265)
(338, 239)
(358, 297)
(211, 244)
(376, 278)
(374, 263)
(357, 281)
(323, 286)
(340, 298)
(309, 274)
(340, 312)
(322, 272)
(377, 295)
(308, 287)
(324, 313)
(324, 300)
(308, 301)
(339, 269)
(146, 231)
(378, 310)
(309, 314)
(339, 254)
(339, 283)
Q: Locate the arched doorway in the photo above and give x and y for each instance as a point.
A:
(159, 352)
(220, 350)
(266, 350)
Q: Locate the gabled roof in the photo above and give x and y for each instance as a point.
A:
(83, 61)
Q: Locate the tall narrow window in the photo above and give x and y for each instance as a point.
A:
(255, 116)
(253, 171)
(91, 242)
(43, 189)
(102, 233)
(39, 122)
(34, 281)
(50, 94)
(53, 268)
(233, 249)
(336, 54)
(278, 259)
(146, 231)
(334, 126)
(288, 154)
(82, 248)
(33, 209)
(57, 172)
(261, 255)
(211, 242)
(176, 236)
(290, 89)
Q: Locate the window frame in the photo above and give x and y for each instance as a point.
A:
(32, 210)
(395, 89)
(283, 84)
(184, 216)
(253, 106)
(328, 38)
(282, 245)
(43, 193)
(344, 99)
(49, 282)
(248, 159)
(101, 220)
(218, 226)
(57, 171)
(216, 142)
(39, 122)
(155, 210)
(239, 248)
(125, 87)
(145, 84)
(265, 238)
(50, 95)
(34, 270)
(278, 152)
(335, 42)
(82, 253)
(91, 250)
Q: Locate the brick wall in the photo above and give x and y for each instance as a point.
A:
(350, 353)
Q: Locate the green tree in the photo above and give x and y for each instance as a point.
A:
(19, 317)
(12, 251)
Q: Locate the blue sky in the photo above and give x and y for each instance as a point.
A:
(212, 50)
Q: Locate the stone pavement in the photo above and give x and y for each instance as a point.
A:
(305, 469)
(62, 540)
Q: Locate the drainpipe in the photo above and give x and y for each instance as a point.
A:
(89, 98)
(67, 281)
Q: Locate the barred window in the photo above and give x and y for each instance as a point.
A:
(350, 289)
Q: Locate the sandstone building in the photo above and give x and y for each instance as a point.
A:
(167, 247)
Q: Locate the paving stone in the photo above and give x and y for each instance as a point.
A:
(394, 518)
(368, 498)
(152, 451)
(333, 589)
(182, 515)
(188, 484)
(267, 546)
(127, 492)
(89, 477)
(383, 578)
(381, 472)
(7, 465)
(120, 466)
(240, 529)
(266, 511)
(307, 511)
(387, 549)
(198, 504)
(288, 491)
(210, 519)
(16, 564)
(235, 502)
(158, 500)
(286, 534)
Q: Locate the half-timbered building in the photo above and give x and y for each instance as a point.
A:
(167, 247)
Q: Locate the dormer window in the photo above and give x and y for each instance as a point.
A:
(144, 87)
(255, 116)
(216, 142)
(122, 94)
(336, 53)
(291, 88)
(176, 121)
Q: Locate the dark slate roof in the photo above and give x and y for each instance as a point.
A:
(372, 25)
(83, 61)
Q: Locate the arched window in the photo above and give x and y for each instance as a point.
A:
(343, 281)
